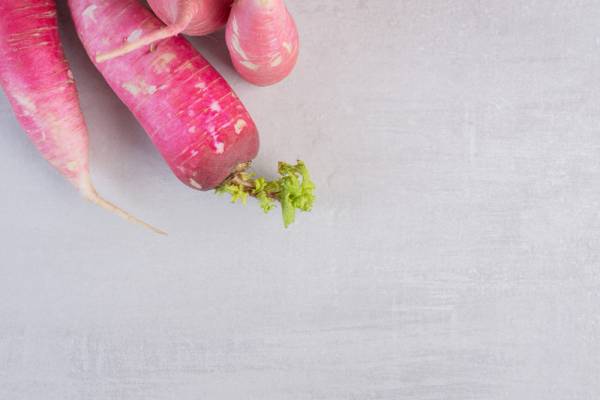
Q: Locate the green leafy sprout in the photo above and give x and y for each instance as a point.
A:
(294, 189)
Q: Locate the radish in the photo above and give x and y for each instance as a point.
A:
(263, 40)
(36, 78)
(189, 111)
(192, 17)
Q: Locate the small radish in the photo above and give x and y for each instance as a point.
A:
(263, 40)
(36, 78)
(192, 17)
(189, 111)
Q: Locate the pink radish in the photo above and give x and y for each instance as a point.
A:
(36, 78)
(263, 40)
(189, 111)
(191, 114)
(192, 17)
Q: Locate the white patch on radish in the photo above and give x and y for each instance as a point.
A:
(276, 61)
(235, 27)
(214, 106)
(89, 12)
(28, 106)
(192, 129)
(70, 74)
(194, 153)
(139, 87)
(195, 184)
(135, 35)
(219, 147)
(249, 65)
(235, 42)
(288, 47)
(239, 126)
(163, 87)
(72, 166)
(200, 85)
(151, 89)
(132, 88)
(161, 63)
(187, 65)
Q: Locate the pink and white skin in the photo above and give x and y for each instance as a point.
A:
(192, 17)
(263, 40)
(39, 85)
(196, 17)
(192, 115)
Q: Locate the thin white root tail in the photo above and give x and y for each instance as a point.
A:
(188, 10)
(107, 205)
(146, 40)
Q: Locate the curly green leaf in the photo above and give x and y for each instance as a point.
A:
(294, 190)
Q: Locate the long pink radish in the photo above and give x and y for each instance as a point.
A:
(192, 17)
(263, 40)
(36, 78)
(189, 111)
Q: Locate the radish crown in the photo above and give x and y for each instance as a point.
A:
(294, 189)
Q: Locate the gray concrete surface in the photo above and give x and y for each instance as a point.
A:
(454, 252)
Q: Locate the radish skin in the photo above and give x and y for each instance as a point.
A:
(189, 111)
(39, 85)
(263, 40)
(192, 17)
(210, 15)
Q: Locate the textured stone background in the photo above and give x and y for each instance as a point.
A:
(454, 252)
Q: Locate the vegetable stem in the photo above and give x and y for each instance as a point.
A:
(294, 190)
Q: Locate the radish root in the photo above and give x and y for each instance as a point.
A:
(89, 193)
(189, 8)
